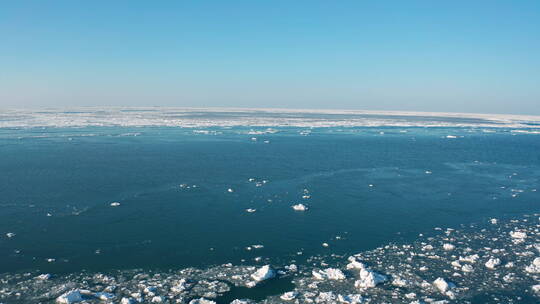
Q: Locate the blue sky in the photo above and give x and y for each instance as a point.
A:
(458, 56)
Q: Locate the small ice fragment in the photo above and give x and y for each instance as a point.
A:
(350, 299)
(10, 234)
(534, 267)
(299, 207)
(518, 234)
(264, 273)
(442, 285)
(201, 301)
(469, 259)
(467, 268)
(238, 301)
(289, 296)
(451, 136)
(115, 204)
(104, 296)
(325, 244)
(50, 260)
(328, 274)
(492, 263)
(399, 282)
(536, 289)
(428, 172)
(250, 210)
(369, 279)
(448, 247)
(160, 299)
(72, 296)
(493, 221)
(354, 263)
(230, 190)
(127, 301)
(43, 277)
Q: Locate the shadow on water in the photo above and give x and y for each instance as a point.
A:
(258, 293)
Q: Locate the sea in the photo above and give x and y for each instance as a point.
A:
(176, 205)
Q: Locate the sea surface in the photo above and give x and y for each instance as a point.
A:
(133, 193)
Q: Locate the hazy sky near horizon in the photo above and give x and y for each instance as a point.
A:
(456, 56)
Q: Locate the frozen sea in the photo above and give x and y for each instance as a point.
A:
(120, 200)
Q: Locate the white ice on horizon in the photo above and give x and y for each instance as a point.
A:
(180, 117)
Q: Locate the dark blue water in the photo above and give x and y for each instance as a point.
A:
(73, 175)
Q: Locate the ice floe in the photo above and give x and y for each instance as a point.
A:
(299, 207)
(394, 273)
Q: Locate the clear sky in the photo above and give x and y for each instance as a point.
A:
(458, 56)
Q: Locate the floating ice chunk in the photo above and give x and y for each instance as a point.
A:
(355, 264)
(299, 207)
(427, 247)
(350, 299)
(448, 247)
(182, 286)
(399, 282)
(72, 296)
(410, 295)
(326, 297)
(264, 273)
(451, 136)
(467, 268)
(493, 262)
(10, 234)
(230, 190)
(289, 296)
(518, 234)
(493, 221)
(325, 244)
(534, 267)
(239, 301)
(127, 301)
(160, 299)
(250, 210)
(536, 289)
(44, 277)
(115, 204)
(328, 274)
(470, 258)
(201, 301)
(369, 279)
(306, 196)
(428, 172)
(104, 296)
(442, 285)
(50, 260)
